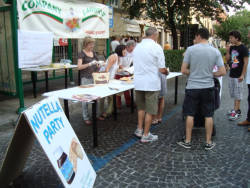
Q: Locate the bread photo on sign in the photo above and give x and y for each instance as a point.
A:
(75, 152)
(76, 148)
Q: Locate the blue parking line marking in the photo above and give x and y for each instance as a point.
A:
(100, 162)
(172, 112)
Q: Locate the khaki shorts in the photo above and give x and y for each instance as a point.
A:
(147, 101)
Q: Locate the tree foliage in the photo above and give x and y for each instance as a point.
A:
(172, 13)
(240, 21)
(174, 58)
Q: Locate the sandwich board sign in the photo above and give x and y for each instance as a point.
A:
(47, 122)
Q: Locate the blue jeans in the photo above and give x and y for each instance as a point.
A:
(85, 106)
(85, 109)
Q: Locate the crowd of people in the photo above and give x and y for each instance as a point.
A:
(202, 63)
(117, 40)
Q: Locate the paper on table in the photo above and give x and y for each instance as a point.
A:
(85, 97)
(86, 86)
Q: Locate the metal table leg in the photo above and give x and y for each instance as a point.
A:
(66, 108)
(95, 141)
(66, 79)
(176, 90)
(114, 106)
(34, 78)
(79, 78)
(132, 100)
(47, 81)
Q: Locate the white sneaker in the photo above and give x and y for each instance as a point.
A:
(229, 112)
(209, 146)
(149, 138)
(138, 132)
(234, 115)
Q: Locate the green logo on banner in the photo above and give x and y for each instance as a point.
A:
(96, 11)
(91, 12)
(33, 4)
(42, 4)
(92, 16)
(56, 18)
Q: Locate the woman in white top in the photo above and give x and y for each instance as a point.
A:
(112, 67)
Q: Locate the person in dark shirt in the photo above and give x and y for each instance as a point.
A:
(237, 55)
(246, 122)
(87, 64)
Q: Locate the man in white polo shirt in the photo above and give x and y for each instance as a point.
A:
(149, 61)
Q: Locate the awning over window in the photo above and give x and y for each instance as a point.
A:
(125, 27)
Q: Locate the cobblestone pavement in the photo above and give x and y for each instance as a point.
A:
(122, 161)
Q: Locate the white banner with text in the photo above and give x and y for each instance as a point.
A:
(66, 19)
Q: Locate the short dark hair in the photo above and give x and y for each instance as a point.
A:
(119, 49)
(203, 32)
(235, 34)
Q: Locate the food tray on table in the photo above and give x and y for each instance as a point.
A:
(127, 80)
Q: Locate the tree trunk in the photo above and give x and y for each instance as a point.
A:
(175, 38)
(172, 26)
(186, 35)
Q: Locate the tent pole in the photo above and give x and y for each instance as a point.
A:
(18, 72)
(108, 47)
(71, 58)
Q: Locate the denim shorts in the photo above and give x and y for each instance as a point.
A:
(202, 100)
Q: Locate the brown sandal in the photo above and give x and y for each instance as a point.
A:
(101, 118)
(154, 122)
(87, 122)
(104, 116)
(159, 121)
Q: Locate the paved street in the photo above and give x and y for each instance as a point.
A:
(122, 161)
